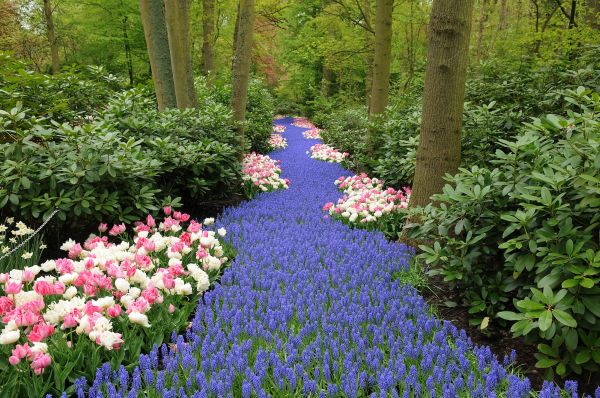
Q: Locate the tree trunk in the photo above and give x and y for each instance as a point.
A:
(383, 56)
(326, 81)
(208, 30)
(51, 35)
(178, 30)
(572, 23)
(369, 57)
(503, 14)
(242, 60)
(483, 15)
(443, 98)
(127, 50)
(157, 43)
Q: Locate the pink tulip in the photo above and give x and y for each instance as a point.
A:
(13, 287)
(171, 308)
(102, 227)
(167, 210)
(114, 311)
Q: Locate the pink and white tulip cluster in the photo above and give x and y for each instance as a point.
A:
(366, 200)
(100, 282)
(312, 134)
(303, 122)
(327, 153)
(277, 141)
(279, 128)
(260, 173)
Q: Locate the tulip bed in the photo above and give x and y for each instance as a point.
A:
(260, 173)
(327, 153)
(109, 300)
(366, 202)
(312, 134)
(277, 141)
(312, 308)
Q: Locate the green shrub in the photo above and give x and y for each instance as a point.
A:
(521, 240)
(75, 93)
(127, 162)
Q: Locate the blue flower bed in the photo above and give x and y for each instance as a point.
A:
(311, 308)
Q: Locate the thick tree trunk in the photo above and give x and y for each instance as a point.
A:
(383, 56)
(51, 35)
(208, 28)
(443, 99)
(242, 60)
(177, 17)
(366, 7)
(157, 43)
(483, 16)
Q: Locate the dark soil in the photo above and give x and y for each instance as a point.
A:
(501, 342)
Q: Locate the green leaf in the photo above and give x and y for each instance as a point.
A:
(546, 363)
(587, 283)
(545, 320)
(510, 316)
(583, 357)
(564, 318)
(569, 283)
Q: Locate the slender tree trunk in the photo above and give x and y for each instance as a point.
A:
(51, 35)
(483, 15)
(572, 14)
(157, 43)
(383, 56)
(127, 50)
(177, 17)
(242, 60)
(443, 98)
(503, 14)
(326, 81)
(369, 57)
(208, 28)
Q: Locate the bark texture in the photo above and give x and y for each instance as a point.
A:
(242, 60)
(177, 17)
(157, 43)
(369, 45)
(383, 56)
(51, 35)
(443, 99)
(208, 31)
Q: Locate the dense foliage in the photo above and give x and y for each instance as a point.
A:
(521, 238)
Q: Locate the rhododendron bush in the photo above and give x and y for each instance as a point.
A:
(327, 153)
(366, 202)
(260, 173)
(108, 300)
(277, 141)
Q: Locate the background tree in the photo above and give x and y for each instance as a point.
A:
(51, 34)
(242, 60)
(208, 27)
(157, 42)
(177, 14)
(383, 57)
(443, 98)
